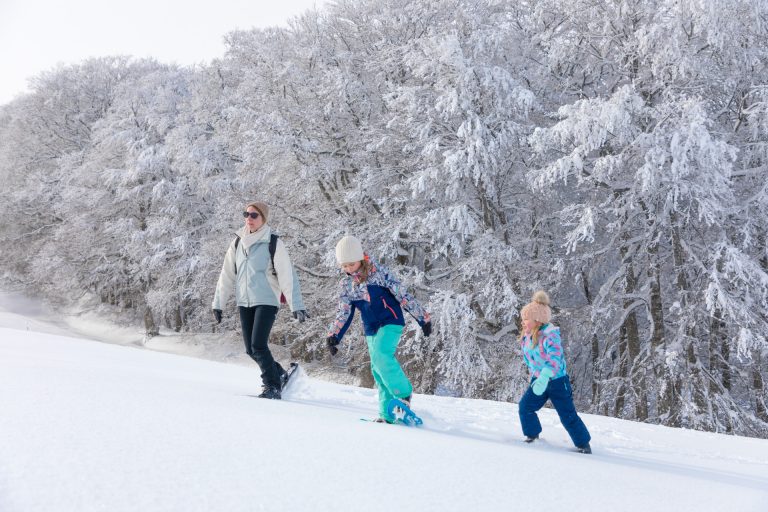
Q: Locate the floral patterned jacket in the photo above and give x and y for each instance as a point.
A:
(380, 299)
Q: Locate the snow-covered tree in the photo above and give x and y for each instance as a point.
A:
(649, 163)
(612, 153)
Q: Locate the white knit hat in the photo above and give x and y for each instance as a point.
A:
(348, 250)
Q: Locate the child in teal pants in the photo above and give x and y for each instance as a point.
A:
(389, 376)
(381, 299)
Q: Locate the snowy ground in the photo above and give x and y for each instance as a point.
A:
(89, 426)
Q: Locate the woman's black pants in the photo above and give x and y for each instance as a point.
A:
(257, 323)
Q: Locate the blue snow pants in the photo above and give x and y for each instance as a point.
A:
(560, 392)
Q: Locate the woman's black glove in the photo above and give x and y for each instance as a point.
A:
(426, 328)
(332, 342)
(217, 315)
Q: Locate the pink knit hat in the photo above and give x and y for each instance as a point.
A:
(538, 309)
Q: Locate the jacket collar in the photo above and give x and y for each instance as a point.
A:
(248, 239)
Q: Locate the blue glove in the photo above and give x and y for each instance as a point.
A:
(300, 315)
(541, 382)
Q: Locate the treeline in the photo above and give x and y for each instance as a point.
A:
(612, 153)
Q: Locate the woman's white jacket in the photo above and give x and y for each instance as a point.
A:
(248, 270)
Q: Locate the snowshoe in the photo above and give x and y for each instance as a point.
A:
(400, 409)
(285, 377)
(376, 420)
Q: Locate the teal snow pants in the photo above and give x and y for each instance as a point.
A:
(389, 377)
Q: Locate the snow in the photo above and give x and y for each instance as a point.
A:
(93, 426)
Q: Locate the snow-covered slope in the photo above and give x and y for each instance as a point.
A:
(88, 426)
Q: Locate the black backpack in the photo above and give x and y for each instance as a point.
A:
(272, 249)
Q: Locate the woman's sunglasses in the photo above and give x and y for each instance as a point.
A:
(253, 215)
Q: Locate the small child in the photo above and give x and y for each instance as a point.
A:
(543, 353)
(380, 297)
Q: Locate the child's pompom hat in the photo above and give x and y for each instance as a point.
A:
(538, 309)
(348, 250)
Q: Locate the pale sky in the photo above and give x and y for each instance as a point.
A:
(36, 35)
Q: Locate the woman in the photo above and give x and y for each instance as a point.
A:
(380, 297)
(543, 353)
(259, 281)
